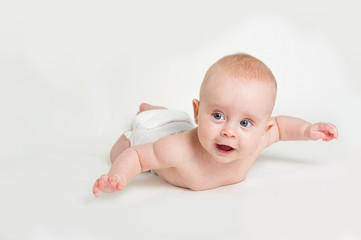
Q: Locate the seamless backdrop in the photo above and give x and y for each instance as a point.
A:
(73, 73)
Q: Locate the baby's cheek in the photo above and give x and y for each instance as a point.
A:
(250, 144)
(205, 134)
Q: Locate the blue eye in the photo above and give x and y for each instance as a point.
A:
(218, 116)
(245, 123)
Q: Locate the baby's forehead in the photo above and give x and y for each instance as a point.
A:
(244, 76)
(235, 93)
(220, 80)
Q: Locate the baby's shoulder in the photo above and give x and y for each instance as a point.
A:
(177, 147)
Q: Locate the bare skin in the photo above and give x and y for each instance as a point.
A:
(234, 125)
(108, 183)
(197, 169)
(123, 143)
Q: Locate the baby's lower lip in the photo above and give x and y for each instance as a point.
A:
(224, 149)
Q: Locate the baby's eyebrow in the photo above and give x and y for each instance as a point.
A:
(215, 106)
(251, 116)
(246, 115)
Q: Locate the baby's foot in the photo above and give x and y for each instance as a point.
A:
(145, 107)
(108, 184)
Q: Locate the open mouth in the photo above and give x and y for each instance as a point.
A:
(224, 148)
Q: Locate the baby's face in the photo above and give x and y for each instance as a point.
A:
(233, 115)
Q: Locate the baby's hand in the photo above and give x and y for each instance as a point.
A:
(324, 131)
(108, 184)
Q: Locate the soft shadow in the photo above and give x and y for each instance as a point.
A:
(147, 180)
(285, 159)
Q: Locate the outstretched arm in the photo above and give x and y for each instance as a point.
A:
(291, 128)
(124, 168)
(132, 162)
(285, 128)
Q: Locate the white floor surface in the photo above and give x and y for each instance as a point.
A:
(72, 74)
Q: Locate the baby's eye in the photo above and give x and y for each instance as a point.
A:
(218, 116)
(245, 123)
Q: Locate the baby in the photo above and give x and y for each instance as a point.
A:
(234, 121)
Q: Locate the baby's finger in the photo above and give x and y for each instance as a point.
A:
(96, 189)
(329, 129)
(103, 180)
(329, 136)
(96, 194)
(119, 186)
(113, 181)
(335, 132)
(324, 127)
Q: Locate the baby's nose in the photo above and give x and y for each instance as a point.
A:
(228, 132)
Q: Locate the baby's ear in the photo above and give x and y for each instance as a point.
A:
(269, 125)
(195, 103)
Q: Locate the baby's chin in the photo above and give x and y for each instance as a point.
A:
(225, 159)
(235, 156)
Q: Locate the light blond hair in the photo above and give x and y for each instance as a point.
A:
(242, 66)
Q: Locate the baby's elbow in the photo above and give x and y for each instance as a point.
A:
(137, 156)
(146, 157)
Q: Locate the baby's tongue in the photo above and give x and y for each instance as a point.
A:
(225, 147)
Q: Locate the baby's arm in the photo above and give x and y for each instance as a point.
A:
(130, 163)
(291, 128)
(124, 168)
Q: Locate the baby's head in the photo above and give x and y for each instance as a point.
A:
(242, 67)
(233, 113)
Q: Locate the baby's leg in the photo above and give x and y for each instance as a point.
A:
(123, 142)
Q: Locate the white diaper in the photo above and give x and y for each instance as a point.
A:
(151, 125)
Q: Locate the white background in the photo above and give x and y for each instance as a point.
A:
(73, 73)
